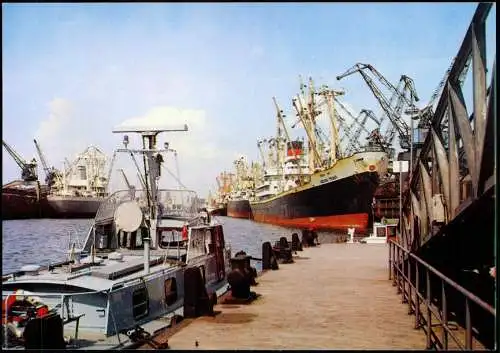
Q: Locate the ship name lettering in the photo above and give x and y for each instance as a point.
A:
(333, 177)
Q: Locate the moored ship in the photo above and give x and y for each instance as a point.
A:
(23, 200)
(238, 204)
(78, 191)
(319, 188)
(334, 199)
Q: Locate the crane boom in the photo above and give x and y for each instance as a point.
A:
(51, 174)
(397, 122)
(28, 170)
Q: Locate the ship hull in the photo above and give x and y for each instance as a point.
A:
(219, 211)
(20, 201)
(73, 207)
(15, 206)
(333, 206)
(334, 200)
(239, 209)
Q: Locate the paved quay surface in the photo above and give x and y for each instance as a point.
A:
(335, 296)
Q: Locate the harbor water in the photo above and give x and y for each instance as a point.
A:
(40, 241)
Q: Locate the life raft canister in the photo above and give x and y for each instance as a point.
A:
(19, 296)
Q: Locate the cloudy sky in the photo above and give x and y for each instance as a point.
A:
(72, 72)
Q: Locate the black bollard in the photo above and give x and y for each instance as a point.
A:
(240, 286)
(284, 242)
(296, 244)
(196, 299)
(269, 261)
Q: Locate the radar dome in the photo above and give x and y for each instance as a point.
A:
(128, 216)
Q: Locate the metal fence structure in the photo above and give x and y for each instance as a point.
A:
(406, 271)
(455, 168)
(451, 195)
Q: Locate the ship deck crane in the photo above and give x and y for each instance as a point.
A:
(262, 154)
(307, 116)
(396, 121)
(28, 169)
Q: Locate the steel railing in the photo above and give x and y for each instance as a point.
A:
(403, 266)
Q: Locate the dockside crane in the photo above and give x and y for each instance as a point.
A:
(394, 114)
(52, 175)
(28, 169)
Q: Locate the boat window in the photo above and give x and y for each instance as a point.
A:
(381, 232)
(170, 291)
(140, 303)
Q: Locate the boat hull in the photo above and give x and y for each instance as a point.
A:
(73, 207)
(220, 211)
(20, 201)
(239, 209)
(334, 200)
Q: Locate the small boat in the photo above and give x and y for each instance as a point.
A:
(382, 233)
(149, 254)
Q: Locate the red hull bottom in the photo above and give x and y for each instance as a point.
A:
(235, 214)
(359, 221)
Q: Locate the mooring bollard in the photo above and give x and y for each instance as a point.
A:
(283, 251)
(269, 261)
(241, 261)
(296, 244)
(197, 301)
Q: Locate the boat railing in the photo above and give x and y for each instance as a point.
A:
(406, 271)
(186, 202)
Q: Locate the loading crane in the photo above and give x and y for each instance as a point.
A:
(397, 122)
(408, 89)
(262, 154)
(52, 175)
(353, 142)
(307, 116)
(28, 169)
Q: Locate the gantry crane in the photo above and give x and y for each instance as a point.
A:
(394, 114)
(28, 169)
(52, 175)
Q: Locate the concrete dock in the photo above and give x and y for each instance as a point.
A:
(335, 296)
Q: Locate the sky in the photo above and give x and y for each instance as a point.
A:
(72, 72)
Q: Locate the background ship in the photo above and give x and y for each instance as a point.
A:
(318, 187)
(218, 203)
(74, 193)
(24, 198)
(242, 189)
(78, 191)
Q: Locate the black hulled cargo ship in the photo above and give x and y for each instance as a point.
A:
(334, 199)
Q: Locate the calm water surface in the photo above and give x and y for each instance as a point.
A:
(40, 241)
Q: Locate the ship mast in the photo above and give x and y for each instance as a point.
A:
(152, 160)
(329, 95)
(280, 116)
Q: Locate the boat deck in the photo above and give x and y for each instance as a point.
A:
(336, 296)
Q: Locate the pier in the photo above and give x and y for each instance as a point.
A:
(334, 296)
